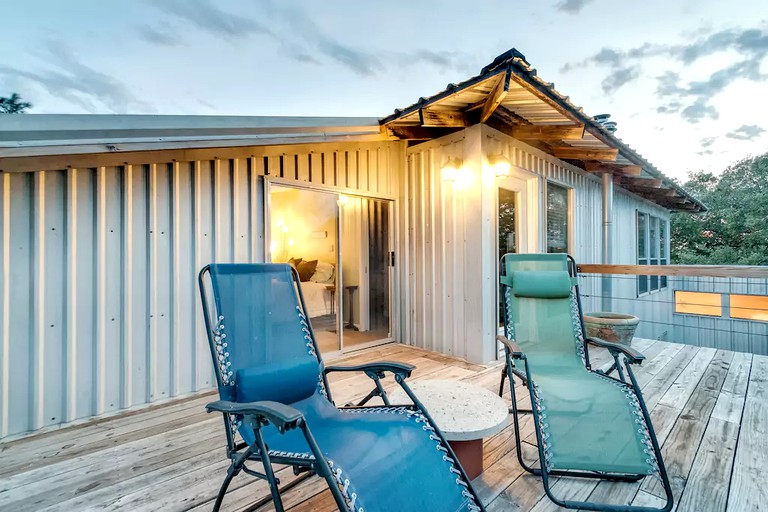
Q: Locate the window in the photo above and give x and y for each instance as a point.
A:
(557, 218)
(698, 303)
(749, 307)
(652, 249)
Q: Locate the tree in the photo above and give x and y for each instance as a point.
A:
(735, 229)
(13, 105)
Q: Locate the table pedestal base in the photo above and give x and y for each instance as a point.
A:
(470, 455)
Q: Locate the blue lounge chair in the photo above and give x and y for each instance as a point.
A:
(588, 424)
(277, 405)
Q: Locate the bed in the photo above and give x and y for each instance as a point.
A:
(317, 298)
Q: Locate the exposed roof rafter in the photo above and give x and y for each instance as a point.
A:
(441, 119)
(548, 132)
(497, 95)
(574, 153)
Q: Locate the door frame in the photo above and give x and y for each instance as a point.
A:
(269, 182)
(526, 187)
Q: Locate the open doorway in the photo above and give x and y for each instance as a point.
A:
(515, 223)
(341, 246)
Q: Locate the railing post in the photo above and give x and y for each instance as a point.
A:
(607, 237)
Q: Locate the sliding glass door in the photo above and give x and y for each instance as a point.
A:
(341, 247)
(304, 231)
(366, 264)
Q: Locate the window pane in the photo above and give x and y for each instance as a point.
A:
(663, 279)
(642, 285)
(663, 239)
(507, 222)
(698, 303)
(751, 307)
(557, 218)
(653, 239)
(641, 243)
(654, 279)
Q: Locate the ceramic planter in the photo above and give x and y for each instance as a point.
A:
(613, 327)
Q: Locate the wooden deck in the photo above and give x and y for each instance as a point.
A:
(710, 410)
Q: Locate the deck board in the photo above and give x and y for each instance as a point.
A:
(750, 472)
(710, 410)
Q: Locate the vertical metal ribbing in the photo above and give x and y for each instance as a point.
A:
(70, 372)
(607, 237)
(100, 363)
(126, 342)
(176, 252)
(5, 306)
(37, 371)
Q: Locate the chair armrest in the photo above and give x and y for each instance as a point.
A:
(512, 346)
(632, 355)
(376, 369)
(284, 417)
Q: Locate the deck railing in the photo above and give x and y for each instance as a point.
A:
(716, 306)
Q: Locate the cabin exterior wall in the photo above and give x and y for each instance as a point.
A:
(449, 264)
(99, 309)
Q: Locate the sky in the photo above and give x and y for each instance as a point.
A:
(686, 80)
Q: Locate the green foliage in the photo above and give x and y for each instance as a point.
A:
(735, 229)
(13, 105)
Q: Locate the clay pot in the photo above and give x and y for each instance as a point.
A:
(613, 327)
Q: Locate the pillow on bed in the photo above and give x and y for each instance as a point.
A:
(295, 262)
(323, 273)
(306, 269)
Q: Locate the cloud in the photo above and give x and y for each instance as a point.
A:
(746, 132)
(572, 6)
(76, 82)
(697, 95)
(206, 16)
(692, 100)
(707, 141)
(299, 37)
(620, 77)
(296, 34)
(672, 107)
(164, 36)
(698, 111)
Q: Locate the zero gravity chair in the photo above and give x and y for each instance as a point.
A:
(277, 405)
(587, 423)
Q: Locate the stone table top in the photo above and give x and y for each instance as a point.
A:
(462, 411)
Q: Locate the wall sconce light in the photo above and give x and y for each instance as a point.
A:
(501, 165)
(451, 169)
(343, 200)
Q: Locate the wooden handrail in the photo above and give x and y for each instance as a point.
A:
(678, 270)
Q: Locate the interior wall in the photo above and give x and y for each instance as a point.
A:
(99, 307)
(303, 225)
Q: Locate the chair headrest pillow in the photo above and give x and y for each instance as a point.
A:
(542, 284)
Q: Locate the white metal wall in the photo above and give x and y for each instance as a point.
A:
(449, 241)
(434, 266)
(653, 309)
(99, 308)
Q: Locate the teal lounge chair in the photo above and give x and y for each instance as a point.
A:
(588, 424)
(277, 405)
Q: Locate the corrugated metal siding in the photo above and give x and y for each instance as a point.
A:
(722, 333)
(447, 262)
(100, 308)
(653, 308)
(433, 267)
